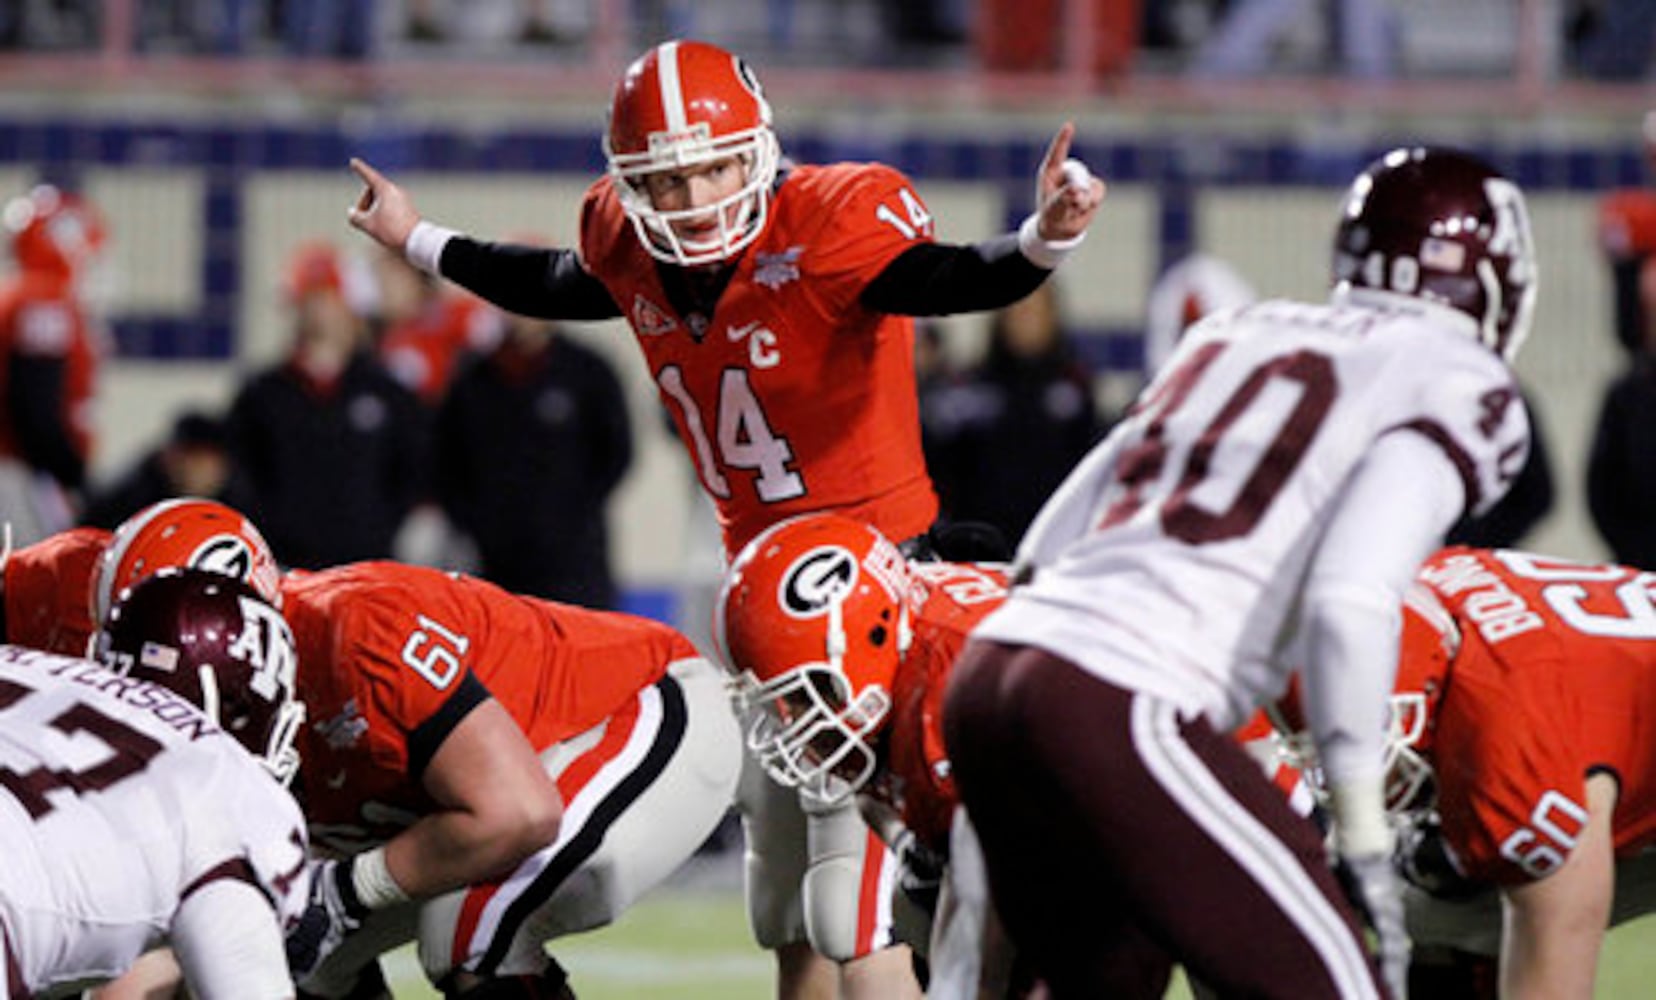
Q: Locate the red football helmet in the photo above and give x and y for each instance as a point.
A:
(53, 231)
(185, 531)
(680, 105)
(813, 619)
(215, 641)
(1442, 226)
(1428, 645)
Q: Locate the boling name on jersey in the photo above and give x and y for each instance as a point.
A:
(1495, 608)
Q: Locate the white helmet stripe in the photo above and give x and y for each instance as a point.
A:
(672, 92)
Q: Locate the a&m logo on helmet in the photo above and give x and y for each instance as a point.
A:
(817, 580)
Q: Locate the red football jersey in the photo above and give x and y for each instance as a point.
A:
(1556, 670)
(957, 597)
(392, 657)
(791, 397)
(49, 592)
(39, 318)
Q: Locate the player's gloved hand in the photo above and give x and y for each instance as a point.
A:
(332, 913)
(920, 871)
(1375, 890)
(1423, 859)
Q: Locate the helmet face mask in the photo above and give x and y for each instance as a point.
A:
(809, 732)
(1443, 227)
(681, 107)
(1429, 643)
(813, 621)
(216, 642)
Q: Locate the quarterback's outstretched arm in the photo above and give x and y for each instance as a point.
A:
(1553, 927)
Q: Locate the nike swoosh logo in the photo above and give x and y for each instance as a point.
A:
(736, 333)
(337, 781)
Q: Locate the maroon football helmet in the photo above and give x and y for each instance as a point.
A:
(1440, 225)
(212, 639)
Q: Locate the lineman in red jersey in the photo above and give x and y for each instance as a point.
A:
(772, 304)
(522, 769)
(51, 347)
(1518, 759)
(841, 648)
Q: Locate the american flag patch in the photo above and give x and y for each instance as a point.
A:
(158, 657)
(1442, 255)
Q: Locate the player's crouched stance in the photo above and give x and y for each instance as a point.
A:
(840, 649)
(131, 816)
(486, 772)
(1249, 502)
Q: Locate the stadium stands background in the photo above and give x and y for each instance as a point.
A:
(212, 168)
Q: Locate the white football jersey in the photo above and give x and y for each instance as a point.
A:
(1171, 561)
(117, 797)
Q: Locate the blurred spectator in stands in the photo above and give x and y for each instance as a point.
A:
(1364, 36)
(1621, 471)
(1627, 232)
(335, 451)
(539, 22)
(213, 27)
(1012, 427)
(532, 439)
(328, 29)
(425, 326)
(1528, 500)
(52, 344)
(1194, 286)
(1024, 36)
(1612, 40)
(193, 461)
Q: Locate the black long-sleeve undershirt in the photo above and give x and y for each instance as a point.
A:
(930, 279)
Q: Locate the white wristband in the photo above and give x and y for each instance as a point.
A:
(1359, 811)
(375, 888)
(1041, 252)
(424, 248)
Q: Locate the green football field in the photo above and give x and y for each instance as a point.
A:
(693, 944)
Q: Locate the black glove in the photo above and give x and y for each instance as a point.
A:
(331, 914)
(1423, 860)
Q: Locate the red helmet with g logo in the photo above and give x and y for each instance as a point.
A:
(185, 531)
(813, 619)
(681, 105)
